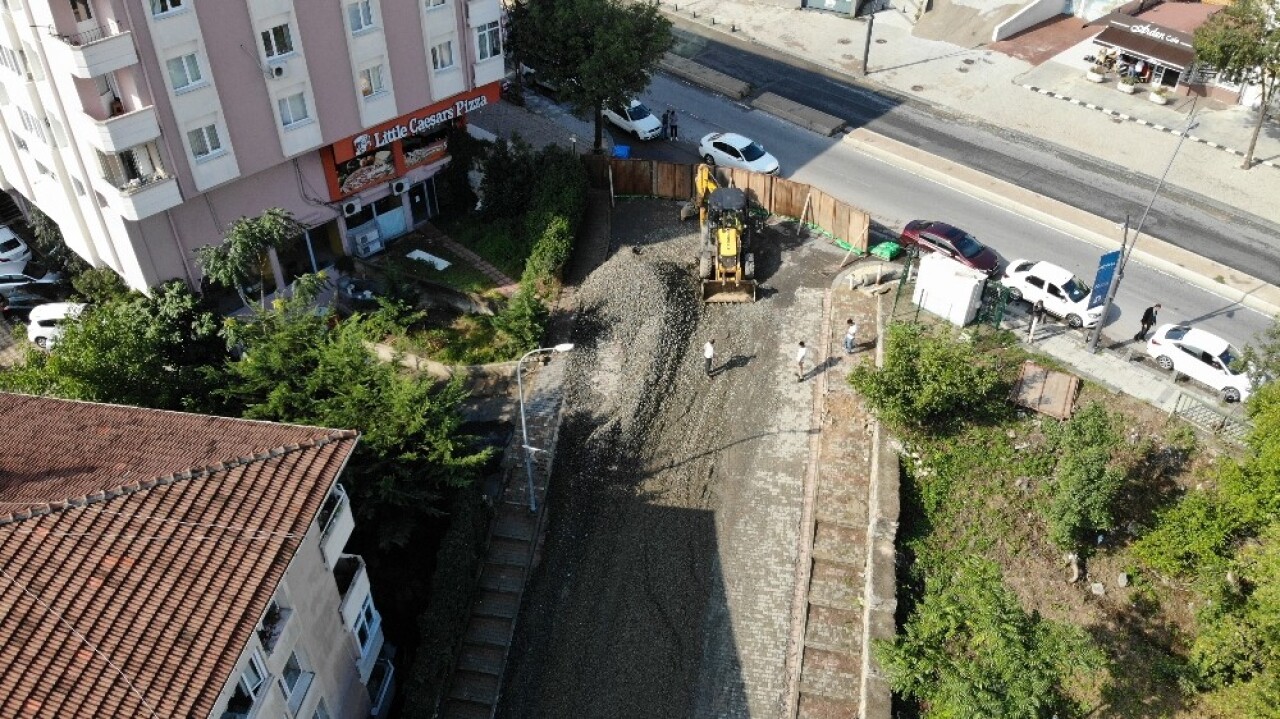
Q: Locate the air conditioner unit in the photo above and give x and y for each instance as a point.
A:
(399, 187)
(277, 70)
(367, 243)
(351, 207)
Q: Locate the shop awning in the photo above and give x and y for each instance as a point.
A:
(1158, 44)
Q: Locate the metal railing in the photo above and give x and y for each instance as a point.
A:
(1229, 425)
(88, 37)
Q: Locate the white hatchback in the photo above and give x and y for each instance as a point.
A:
(12, 248)
(1202, 356)
(732, 150)
(635, 118)
(1064, 295)
(46, 321)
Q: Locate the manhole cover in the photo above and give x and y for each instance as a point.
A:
(962, 69)
(881, 41)
(917, 88)
(844, 41)
(968, 61)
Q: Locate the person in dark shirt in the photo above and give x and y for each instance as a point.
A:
(1148, 321)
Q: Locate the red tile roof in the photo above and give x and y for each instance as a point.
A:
(139, 548)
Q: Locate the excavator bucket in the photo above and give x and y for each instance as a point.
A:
(728, 291)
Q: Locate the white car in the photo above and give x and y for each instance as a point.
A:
(12, 248)
(636, 119)
(732, 150)
(1064, 295)
(45, 322)
(1202, 356)
(24, 272)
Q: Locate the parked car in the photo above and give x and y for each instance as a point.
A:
(12, 248)
(930, 236)
(1064, 295)
(634, 118)
(44, 325)
(733, 150)
(23, 298)
(1202, 356)
(14, 274)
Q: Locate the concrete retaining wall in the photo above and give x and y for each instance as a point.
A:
(1034, 13)
(713, 80)
(880, 594)
(793, 112)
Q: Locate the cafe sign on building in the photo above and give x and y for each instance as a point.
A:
(389, 150)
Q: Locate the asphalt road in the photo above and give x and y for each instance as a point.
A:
(1179, 216)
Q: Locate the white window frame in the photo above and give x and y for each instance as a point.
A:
(190, 64)
(433, 4)
(370, 620)
(209, 138)
(361, 11)
(437, 55)
(260, 668)
(79, 7)
(368, 86)
(489, 41)
(162, 8)
(287, 118)
(271, 45)
(322, 711)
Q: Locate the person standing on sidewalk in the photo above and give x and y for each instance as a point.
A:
(708, 354)
(673, 127)
(1148, 321)
(666, 122)
(1037, 318)
(801, 356)
(850, 336)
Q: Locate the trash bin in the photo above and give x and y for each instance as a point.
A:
(887, 250)
(622, 151)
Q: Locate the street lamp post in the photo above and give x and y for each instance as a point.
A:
(524, 427)
(1126, 245)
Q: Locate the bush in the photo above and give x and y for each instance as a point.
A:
(929, 381)
(511, 173)
(99, 285)
(1085, 483)
(522, 322)
(443, 624)
(453, 182)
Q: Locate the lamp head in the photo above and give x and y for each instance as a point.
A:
(563, 347)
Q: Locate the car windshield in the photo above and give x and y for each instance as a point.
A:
(1076, 289)
(10, 245)
(752, 151)
(1229, 358)
(967, 246)
(1177, 333)
(638, 112)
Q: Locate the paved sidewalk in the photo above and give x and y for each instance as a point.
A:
(992, 87)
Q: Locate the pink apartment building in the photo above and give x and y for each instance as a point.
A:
(145, 127)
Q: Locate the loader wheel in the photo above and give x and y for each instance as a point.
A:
(749, 266)
(704, 266)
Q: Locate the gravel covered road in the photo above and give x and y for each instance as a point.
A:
(666, 579)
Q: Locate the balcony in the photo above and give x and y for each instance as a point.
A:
(272, 626)
(142, 197)
(121, 132)
(94, 52)
(381, 687)
(336, 524)
(359, 615)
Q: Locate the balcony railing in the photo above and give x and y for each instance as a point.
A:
(88, 37)
(129, 186)
(381, 682)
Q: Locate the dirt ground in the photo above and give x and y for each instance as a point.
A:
(667, 576)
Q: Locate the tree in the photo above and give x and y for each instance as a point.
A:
(49, 242)
(1242, 41)
(144, 351)
(238, 261)
(298, 366)
(969, 650)
(597, 52)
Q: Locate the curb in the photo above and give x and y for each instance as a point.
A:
(1157, 254)
(1155, 126)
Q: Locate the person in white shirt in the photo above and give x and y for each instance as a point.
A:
(708, 354)
(801, 356)
(850, 336)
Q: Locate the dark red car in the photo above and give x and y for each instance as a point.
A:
(951, 241)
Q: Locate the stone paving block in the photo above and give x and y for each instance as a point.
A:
(813, 706)
(838, 586)
(482, 659)
(830, 674)
(489, 630)
(474, 687)
(829, 628)
(503, 605)
(836, 543)
(503, 577)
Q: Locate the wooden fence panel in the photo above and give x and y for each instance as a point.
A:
(673, 180)
(788, 197)
(632, 177)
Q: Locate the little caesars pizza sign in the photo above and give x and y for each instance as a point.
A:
(415, 125)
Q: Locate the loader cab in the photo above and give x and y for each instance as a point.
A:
(726, 207)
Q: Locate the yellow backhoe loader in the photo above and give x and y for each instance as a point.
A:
(726, 264)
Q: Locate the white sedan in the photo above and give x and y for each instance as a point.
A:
(1202, 356)
(733, 150)
(636, 119)
(12, 248)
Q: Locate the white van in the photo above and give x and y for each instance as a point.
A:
(1064, 295)
(45, 322)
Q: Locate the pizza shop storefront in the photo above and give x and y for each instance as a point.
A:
(384, 177)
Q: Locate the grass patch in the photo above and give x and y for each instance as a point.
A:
(459, 275)
(498, 242)
(470, 339)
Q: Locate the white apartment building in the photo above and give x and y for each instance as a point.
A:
(145, 127)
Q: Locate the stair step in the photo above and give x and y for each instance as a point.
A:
(829, 674)
(515, 523)
(502, 577)
(835, 585)
(482, 659)
(813, 706)
(474, 687)
(832, 628)
(503, 605)
(460, 709)
(490, 631)
(836, 543)
(508, 551)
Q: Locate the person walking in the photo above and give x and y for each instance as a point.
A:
(708, 354)
(666, 121)
(1148, 321)
(850, 336)
(673, 126)
(801, 356)
(1037, 318)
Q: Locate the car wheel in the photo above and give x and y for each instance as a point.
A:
(1015, 294)
(709, 159)
(1164, 362)
(704, 266)
(42, 343)
(1074, 322)
(1230, 394)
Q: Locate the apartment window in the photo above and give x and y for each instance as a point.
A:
(435, 3)
(184, 72)
(45, 171)
(277, 41)
(322, 711)
(442, 55)
(32, 125)
(360, 14)
(160, 7)
(250, 687)
(371, 81)
(18, 142)
(81, 10)
(293, 109)
(78, 185)
(10, 59)
(295, 680)
(366, 624)
(204, 142)
(489, 40)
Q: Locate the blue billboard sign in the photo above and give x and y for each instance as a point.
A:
(1106, 275)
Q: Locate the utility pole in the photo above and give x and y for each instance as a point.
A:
(1126, 246)
(866, 48)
